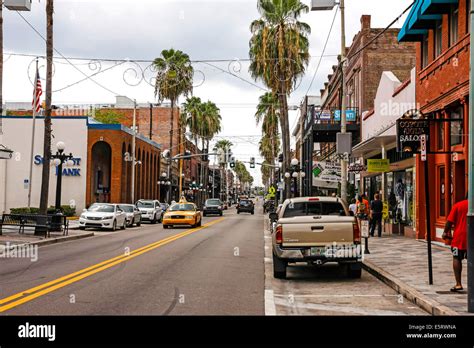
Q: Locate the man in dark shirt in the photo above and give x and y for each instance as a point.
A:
(376, 210)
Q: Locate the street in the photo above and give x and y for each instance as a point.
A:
(214, 270)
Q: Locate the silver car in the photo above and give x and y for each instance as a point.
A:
(134, 216)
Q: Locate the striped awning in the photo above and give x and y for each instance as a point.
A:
(422, 17)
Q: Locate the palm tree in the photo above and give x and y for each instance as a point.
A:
(47, 115)
(224, 145)
(174, 78)
(279, 53)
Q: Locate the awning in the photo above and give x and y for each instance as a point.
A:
(418, 22)
(375, 143)
(437, 6)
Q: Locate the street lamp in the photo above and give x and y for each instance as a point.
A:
(295, 173)
(59, 159)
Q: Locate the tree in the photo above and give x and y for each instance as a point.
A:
(107, 116)
(226, 146)
(279, 53)
(47, 115)
(174, 78)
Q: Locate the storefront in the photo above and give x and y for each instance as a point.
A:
(102, 163)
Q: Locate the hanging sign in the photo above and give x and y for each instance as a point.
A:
(378, 165)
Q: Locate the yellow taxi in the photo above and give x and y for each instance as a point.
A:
(183, 213)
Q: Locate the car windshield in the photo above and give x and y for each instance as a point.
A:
(145, 204)
(313, 209)
(213, 202)
(102, 208)
(182, 207)
(127, 208)
(245, 202)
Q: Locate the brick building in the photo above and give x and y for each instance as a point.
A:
(441, 32)
(362, 73)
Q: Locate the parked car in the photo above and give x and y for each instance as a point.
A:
(182, 214)
(246, 206)
(316, 230)
(103, 215)
(213, 207)
(133, 214)
(151, 210)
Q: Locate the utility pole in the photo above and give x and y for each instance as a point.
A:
(470, 217)
(33, 131)
(151, 121)
(134, 131)
(344, 162)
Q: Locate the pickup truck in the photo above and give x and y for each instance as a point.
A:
(316, 230)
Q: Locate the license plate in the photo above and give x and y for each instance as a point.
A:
(318, 251)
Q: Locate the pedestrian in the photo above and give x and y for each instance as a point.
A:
(353, 206)
(457, 219)
(376, 212)
(362, 208)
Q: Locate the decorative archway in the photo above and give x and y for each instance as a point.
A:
(101, 165)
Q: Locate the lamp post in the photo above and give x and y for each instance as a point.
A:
(295, 173)
(59, 159)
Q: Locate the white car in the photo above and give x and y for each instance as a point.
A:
(151, 210)
(103, 215)
(134, 216)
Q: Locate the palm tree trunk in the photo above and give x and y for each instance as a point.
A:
(47, 116)
(285, 135)
(171, 150)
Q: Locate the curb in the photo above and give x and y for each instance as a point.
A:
(424, 302)
(56, 240)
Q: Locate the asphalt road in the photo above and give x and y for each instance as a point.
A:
(215, 270)
(223, 268)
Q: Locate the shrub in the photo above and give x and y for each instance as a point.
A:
(66, 209)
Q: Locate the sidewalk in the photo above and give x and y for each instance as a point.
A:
(403, 264)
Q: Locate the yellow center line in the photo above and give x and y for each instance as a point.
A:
(31, 294)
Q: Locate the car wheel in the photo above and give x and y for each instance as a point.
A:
(354, 273)
(154, 220)
(238, 211)
(114, 225)
(204, 214)
(165, 227)
(279, 268)
(139, 223)
(253, 213)
(124, 226)
(199, 223)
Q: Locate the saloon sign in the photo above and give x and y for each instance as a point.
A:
(410, 131)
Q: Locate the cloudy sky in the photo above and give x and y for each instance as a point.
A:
(214, 33)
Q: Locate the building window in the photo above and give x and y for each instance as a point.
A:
(440, 138)
(453, 25)
(457, 128)
(468, 16)
(438, 39)
(424, 52)
(442, 191)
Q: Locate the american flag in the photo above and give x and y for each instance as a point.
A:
(37, 93)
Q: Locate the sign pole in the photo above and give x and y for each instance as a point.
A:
(424, 158)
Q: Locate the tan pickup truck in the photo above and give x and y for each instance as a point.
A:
(316, 230)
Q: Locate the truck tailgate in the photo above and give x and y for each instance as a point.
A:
(308, 231)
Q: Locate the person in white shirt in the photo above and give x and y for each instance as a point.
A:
(353, 206)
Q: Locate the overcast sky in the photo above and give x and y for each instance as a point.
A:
(141, 29)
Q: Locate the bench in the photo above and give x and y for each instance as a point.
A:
(41, 223)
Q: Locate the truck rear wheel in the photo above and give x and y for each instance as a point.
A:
(279, 268)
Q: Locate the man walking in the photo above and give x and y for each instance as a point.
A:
(457, 219)
(376, 210)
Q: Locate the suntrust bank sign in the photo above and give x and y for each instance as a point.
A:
(66, 171)
(14, 174)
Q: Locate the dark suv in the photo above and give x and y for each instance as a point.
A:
(246, 206)
(213, 206)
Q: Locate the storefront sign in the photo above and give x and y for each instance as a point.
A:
(378, 166)
(409, 134)
(357, 168)
(351, 115)
(66, 171)
(325, 115)
(326, 174)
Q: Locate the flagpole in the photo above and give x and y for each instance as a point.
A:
(35, 103)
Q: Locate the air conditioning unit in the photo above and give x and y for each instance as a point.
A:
(18, 5)
(322, 5)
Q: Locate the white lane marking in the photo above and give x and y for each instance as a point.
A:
(270, 308)
(333, 296)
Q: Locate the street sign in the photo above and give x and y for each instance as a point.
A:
(364, 226)
(378, 165)
(424, 147)
(351, 115)
(409, 132)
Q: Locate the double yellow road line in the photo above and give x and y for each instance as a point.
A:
(43, 289)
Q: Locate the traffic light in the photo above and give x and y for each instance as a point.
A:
(205, 158)
(252, 162)
(280, 158)
(232, 162)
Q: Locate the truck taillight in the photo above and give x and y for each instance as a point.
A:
(279, 235)
(356, 232)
